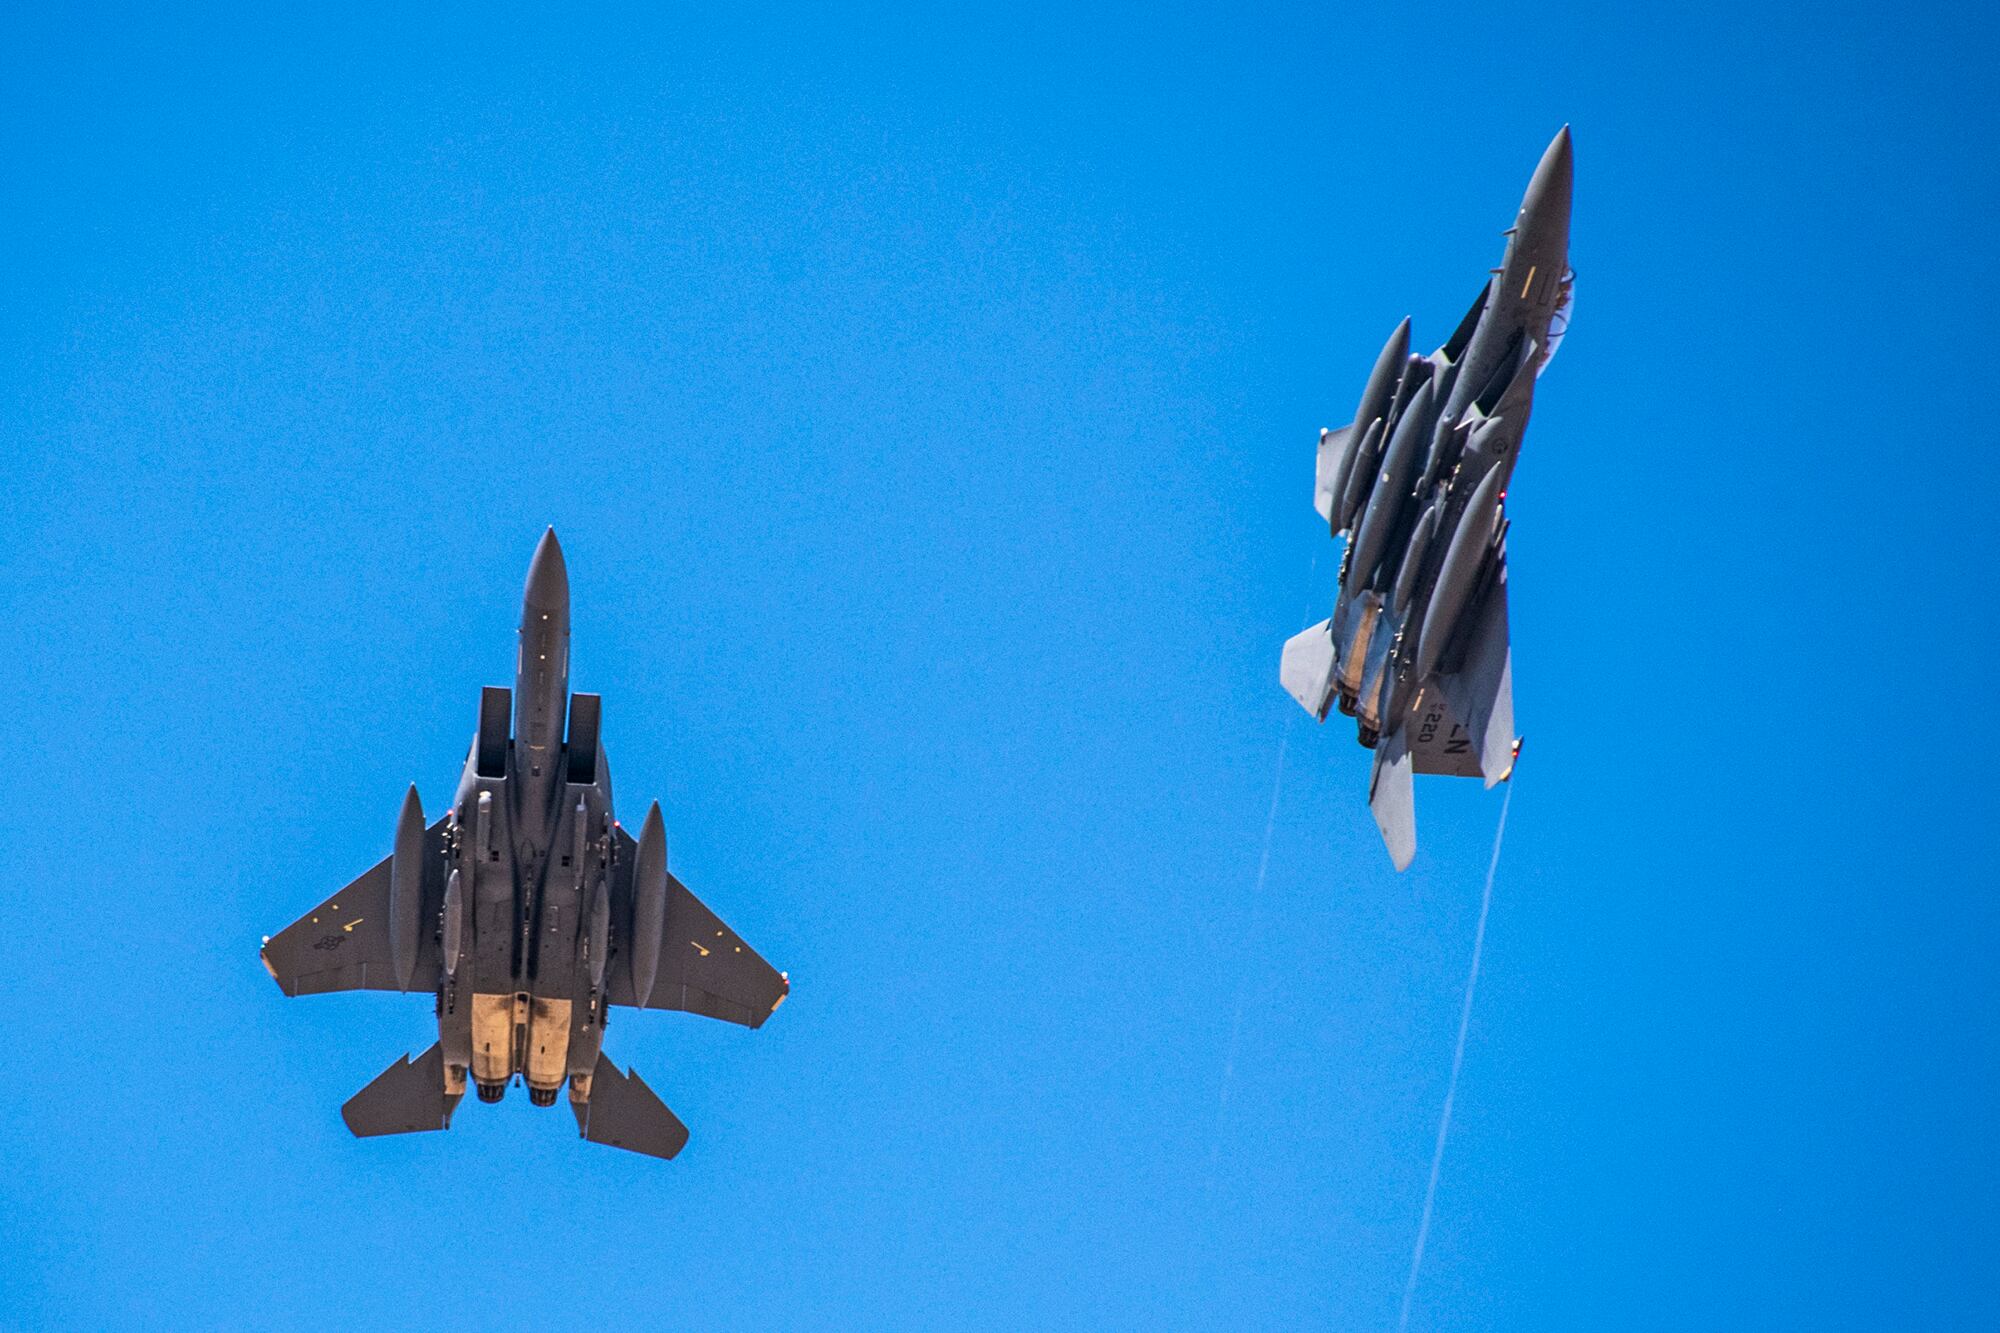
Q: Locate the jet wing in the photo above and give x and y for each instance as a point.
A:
(1439, 742)
(1479, 690)
(1462, 724)
(343, 944)
(705, 967)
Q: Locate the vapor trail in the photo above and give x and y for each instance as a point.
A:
(1457, 1062)
(1256, 913)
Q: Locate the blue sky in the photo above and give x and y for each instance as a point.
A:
(926, 404)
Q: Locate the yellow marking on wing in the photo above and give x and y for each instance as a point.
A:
(1530, 282)
(698, 949)
(349, 927)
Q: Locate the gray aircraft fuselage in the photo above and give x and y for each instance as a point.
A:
(539, 845)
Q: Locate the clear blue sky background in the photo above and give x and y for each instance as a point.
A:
(926, 403)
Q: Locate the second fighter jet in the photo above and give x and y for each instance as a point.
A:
(1417, 648)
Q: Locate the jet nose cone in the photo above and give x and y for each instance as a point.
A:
(548, 576)
(1550, 187)
(1544, 222)
(1556, 156)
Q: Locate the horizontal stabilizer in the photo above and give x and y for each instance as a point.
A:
(1333, 447)
(1306, 669)
(624, 1113)
(406, 1098)
(1393, 800)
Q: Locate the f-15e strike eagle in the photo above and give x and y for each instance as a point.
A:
(1416, 650)
(527, 911)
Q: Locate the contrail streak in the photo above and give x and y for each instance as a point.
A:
(1457, 1063)
(1256, 924)
(1256, 913)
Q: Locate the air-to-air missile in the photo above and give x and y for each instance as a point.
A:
(527, 912)
(1416, 650)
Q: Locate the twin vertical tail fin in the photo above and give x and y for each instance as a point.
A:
(1392, 798)
(624, 1113)
(408, 1097)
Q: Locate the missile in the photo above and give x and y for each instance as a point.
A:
(1392, 488)
(406, 889)
(1374, 405)
(1463, 560)
(1355, 468)
(1413, 557)
(1416, 372)
(600, 933)
(1447, 442)
(1394, 702)
(454, 923)
(649, 905)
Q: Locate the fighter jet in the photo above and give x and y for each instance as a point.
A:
(527, 912)
(1416, 650)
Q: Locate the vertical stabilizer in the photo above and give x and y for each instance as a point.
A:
(1392, 797)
